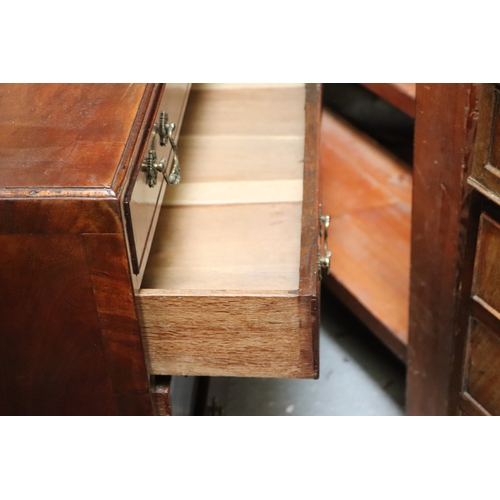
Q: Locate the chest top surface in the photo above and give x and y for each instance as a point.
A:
(60, 136)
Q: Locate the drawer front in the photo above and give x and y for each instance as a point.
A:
(486, 282)
(232, 287)
(482, 377)
(486, 168)
(143, 200)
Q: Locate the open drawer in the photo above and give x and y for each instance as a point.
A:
(231, 286)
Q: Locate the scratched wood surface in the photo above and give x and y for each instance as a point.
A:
(141, 202)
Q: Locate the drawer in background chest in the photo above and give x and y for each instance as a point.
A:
(231, 286)
(485, 175)
(482, 354)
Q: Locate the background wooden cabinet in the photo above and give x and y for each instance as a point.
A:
(435, 248)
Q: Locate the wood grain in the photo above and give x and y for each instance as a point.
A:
(478, 303)
(446, 122)
(59, 216)
(482, 377)
(374, 265)
(114, 298)
(485, 174)
(251, 111)
(53, 135)
(71, 343)
(52, 358)
(230, 334)
(242, 247)
(241, 158)
(310, 240)
(367, 192)
(356, 173)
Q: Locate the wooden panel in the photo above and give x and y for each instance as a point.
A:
(268, 158)
(141, 204)
(446, 122)
(476, 367)
(356, 174)
(109, 271)
(239, 247)
(487, 265)
(52, 359)
(227, 334)
(482, 378)
(309, 279)
(468, 306)
(65, 135)
(59, 216)
(401, 95)
(368, 195)
(486, 168)
(250, 111)
(371, 259)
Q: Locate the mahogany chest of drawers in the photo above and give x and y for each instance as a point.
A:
(113, 275)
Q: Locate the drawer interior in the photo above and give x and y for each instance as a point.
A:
(226, 267)
(234, 221)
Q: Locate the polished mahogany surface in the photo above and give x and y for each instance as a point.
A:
(69, 336)
(444, 137)
(54, 135)
(52, 360)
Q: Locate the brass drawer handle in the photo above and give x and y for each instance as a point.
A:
(149, 165)
(166, 132)
(323, 257)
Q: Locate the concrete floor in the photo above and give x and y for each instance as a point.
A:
(358, 376)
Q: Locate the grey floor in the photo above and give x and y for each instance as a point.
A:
(358, 376)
